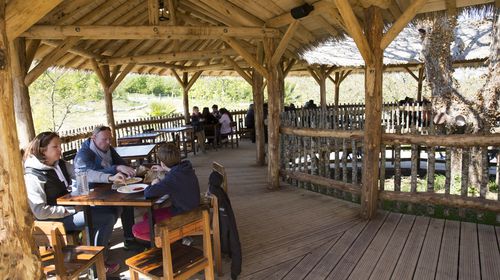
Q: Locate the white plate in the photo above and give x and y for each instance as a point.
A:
(134, 188)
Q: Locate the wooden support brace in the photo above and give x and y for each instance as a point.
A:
(238, 69)
(411, 73)
(314, 74)
(48, 60)
(193, 80)
(284, 42)
(355, 30)
(247, 56)
(401, 22)
(98, 72)
(31, 51)
(120, 78)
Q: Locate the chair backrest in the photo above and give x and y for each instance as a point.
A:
(170, 230)
(219, 168)
(69, 155)
(49, 237)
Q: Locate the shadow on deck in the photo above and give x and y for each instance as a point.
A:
(298, 234)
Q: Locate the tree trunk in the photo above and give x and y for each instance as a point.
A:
(22, 105)
(18, 257)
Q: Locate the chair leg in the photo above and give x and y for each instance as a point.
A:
(209, 272)
(101, 269)
(133, 274)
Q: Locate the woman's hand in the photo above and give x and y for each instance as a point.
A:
(155, 181)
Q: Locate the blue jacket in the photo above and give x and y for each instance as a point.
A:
(181, 184)
(93, 161)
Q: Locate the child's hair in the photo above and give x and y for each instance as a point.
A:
(169, 154)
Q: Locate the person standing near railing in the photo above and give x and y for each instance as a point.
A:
(197, 123)
(98, 155)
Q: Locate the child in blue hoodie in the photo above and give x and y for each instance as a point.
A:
(180, 183)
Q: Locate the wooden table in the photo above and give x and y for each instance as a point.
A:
(138, 152)
(180, 134)
(104, 195)
(140, 138)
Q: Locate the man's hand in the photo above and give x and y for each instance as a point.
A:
(129, 171)
(118, 178)
(155, 181)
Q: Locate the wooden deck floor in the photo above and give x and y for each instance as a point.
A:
(297, 234)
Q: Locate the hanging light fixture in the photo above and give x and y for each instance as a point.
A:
(163, 14)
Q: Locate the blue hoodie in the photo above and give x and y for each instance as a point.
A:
(181, 184)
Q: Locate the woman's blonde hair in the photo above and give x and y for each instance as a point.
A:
(38, 146)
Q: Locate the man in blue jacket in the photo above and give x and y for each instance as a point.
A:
(180, 183)
(97, 154)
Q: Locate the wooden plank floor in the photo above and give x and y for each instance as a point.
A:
(297, 234)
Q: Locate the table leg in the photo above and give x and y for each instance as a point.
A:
(88, 225)
(151, 220)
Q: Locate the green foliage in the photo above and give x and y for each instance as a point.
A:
(153, 85)
(492, 186)
(160, 109)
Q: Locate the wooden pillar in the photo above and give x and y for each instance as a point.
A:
(421, 79)
(322, 90)
(274, 89)
(258, 100)
(185, 97)
(17, 259)
(22, 106)
(110, 116)
(336, 82)
(373, 100)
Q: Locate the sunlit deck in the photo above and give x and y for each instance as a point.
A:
(298, 234)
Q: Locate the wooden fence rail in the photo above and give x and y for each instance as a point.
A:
(318, 148)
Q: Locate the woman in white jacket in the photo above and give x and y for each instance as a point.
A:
(48, 177)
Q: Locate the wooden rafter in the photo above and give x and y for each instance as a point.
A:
(401, 22)
(230, 10)
(75, 50)
(48, 60)
(246, 56)
(146, 32)
(174, 56)
(21, 15)
(354, 29)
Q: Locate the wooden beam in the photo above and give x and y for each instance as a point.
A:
(280, 50)
(181, 82)
(289, 67)
(146, 32)
(238, 69)
(246, 56)
(354, 29)
(402, 22)
(120, 78)
(48, 60)
(168, 57)
(314, 74)
(153, 12)
(411, 73)
(234, 12)
(21, 15)
(344, 75)
(98, 72)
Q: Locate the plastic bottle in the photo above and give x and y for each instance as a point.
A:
(82, 184)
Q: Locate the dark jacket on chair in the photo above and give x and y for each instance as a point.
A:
(229, 238)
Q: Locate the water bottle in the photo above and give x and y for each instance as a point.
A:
(82, 184)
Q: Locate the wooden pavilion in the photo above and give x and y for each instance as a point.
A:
(259, 40)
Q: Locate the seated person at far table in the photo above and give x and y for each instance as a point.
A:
(97, 154)
(180, 182)
(48, 177)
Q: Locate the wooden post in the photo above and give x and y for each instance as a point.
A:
(274, 89)
(17, 260)
(322, 87)
(373, 100)
(22, 105)
(185, 96)
(110, 117)
(337, 88)
(421, 78)
(258, 100)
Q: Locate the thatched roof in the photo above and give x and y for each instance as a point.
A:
(473, 37)
(119, 32)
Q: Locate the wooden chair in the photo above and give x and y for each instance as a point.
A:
(62, 260)
(172, 260)
(244, 132)
(212, 134)
(232, 137)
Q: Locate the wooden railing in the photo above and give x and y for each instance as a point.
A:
(323, 151)
(72, 139)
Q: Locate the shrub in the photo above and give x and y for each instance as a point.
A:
(159, 109)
